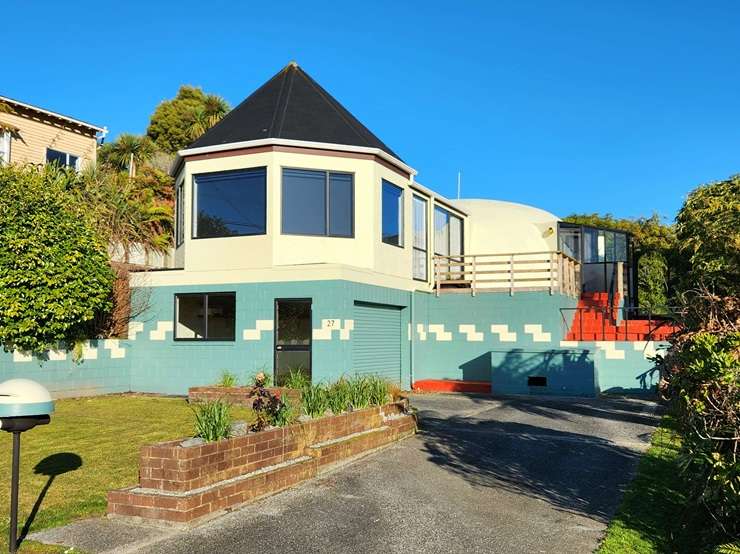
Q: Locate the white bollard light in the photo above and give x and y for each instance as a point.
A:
(24, 404)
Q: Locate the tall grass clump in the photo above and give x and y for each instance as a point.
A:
(359, 387)
(296, 379)
(314, 400)
(212, 420)
(227, 379)
(379, 391)
(339, 396)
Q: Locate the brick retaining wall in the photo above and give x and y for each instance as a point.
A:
(180, 485)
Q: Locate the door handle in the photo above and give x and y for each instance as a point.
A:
(278, 347)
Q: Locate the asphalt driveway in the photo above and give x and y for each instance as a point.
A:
(483, 475)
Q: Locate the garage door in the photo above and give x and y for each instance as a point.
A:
(376, 341)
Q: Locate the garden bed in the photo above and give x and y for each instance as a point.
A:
(182, 485)
(237, 396)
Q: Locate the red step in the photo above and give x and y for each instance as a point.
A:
(452, 385)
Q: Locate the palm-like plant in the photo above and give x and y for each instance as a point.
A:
(212, 111)
(127, 152)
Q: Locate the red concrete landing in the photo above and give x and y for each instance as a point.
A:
(452, 385)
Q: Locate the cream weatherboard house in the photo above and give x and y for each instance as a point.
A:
(30, 134)
(303, 241)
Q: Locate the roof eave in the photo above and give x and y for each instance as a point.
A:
(291, 142)
(31, 107)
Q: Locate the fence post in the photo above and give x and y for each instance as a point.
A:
(473, 284)
(552, 275)
(511, 275)
(436, 275)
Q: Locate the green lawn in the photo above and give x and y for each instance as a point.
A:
(654, 516)
(103, 434)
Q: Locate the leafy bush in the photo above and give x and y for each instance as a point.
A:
(286, 414)
(212, 420)
(314, 400)
(55, 276)
(701, 373)
(228, 379)
(296, 379)
(266, 405)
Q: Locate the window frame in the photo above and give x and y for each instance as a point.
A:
(205, 296)
(180, 214)
(194, 206)
(414, 248)
(402, 216)
(67, 156)
(327, 208)
(5, 142)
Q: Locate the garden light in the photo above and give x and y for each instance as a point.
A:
(24, 404)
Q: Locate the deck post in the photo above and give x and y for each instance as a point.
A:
(511, 275)
(473, 283)
(552, 274)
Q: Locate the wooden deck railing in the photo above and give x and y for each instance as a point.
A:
(510, 272)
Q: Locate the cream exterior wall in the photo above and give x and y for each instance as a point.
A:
(35, 134)
(276, 257)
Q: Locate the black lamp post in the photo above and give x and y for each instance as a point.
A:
(24, 404)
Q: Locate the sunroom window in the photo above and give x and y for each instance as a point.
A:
(392, 214)
(317, 203)
(448, 233)
(229, 203)
(180, 213)
(205, 316)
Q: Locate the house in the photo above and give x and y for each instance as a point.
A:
(29, 134)
(303, 241)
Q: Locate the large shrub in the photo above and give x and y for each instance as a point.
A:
(708, 231)
(54, 271)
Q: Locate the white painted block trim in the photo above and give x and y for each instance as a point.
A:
(438, 329)
(538, 335)
(470, 333)
(163, 327)
(260, 326)
(114, 345)
(502, 330)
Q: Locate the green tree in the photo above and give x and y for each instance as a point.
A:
(127, 152)
(708, 231)
(54, 272)
(655, 248)
(174, 122)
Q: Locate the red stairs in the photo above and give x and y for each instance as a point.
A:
(594, 321)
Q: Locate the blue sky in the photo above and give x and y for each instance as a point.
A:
(618, 107)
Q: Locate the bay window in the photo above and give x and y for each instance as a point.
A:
(319, 203)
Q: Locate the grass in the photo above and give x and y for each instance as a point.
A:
(654, 515)
(105, 433)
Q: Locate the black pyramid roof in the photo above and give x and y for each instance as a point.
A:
(291, 105)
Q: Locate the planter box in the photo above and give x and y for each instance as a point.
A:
(239, 396)
(183, 484)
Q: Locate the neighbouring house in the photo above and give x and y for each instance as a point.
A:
(303, 241)
(29, 134)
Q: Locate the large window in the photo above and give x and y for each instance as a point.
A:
(392, 214)
(209, 316)
(229, 203)
(420, 239)
(180, 213)
(62, 159)
(317, 203)
(448, 233)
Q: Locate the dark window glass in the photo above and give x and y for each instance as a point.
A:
(72, 160)
(341, 202)
(229, 203)
(392, 214)
(59, 158)
(317, 203)
(304, 202)
(205, 316)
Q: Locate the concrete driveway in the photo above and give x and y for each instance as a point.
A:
(483, 475)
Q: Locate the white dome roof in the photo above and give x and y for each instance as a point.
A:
(498, 227)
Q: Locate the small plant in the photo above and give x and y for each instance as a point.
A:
(212, 420)
(314, 400)
(265, 377)
(266, 405)
(338, 396)
(228, 379)
(296, 379)
(286, 413)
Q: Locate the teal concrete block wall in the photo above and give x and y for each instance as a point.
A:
(104, 368)
(625, 367)
(455, 333)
